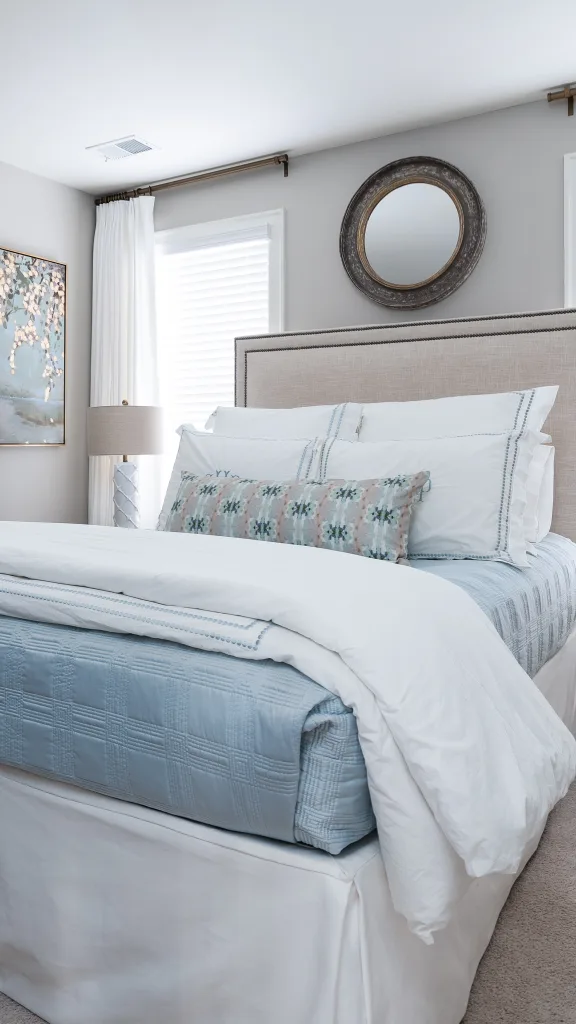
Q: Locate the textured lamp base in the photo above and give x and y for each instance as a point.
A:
(126, 511)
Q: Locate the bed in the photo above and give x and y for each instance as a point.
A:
(114, 912)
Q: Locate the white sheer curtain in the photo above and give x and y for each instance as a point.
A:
(124, 354)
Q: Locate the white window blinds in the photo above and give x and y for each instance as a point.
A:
(214, 283)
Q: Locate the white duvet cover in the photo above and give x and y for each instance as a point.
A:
(465, 758)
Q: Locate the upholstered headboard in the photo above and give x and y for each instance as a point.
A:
(429, 359)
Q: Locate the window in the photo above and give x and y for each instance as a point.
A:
(215, 282)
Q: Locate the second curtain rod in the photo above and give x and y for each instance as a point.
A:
(278, 160)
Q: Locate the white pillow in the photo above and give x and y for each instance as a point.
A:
(261, 458)
(468, 414)
(545, 503)
(477, 501)
(341, 421)
(534, 488)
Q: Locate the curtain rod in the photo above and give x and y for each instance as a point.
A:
(277, 160)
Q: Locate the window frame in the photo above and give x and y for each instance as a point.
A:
(268, 224)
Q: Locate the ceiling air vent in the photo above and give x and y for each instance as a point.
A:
(119, 149)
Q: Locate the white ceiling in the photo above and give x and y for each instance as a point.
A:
(220, 81)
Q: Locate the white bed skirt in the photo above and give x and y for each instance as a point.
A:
(114, 914)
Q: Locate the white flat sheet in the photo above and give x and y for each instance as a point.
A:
(114, 914)
(443, 708)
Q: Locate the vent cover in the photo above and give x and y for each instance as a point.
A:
(119, 149)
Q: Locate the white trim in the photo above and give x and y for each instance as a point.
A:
(276, 225)
(270, 223)
(570, 230)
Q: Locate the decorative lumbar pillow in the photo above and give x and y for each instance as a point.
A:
(342, 421)
(477, 502)
(262, 458)
(362, 517)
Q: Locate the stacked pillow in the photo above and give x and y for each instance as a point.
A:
(490, 468)
(504, 412)
(342, 421)
(260, 458)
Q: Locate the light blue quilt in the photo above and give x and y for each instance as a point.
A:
(251, 746)
(533, 609)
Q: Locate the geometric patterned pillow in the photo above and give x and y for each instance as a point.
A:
(363, 517)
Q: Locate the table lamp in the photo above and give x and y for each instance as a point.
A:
(115, 429)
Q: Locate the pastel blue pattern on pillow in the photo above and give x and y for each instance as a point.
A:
(363, 517)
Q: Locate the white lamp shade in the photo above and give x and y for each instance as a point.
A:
(125, 430)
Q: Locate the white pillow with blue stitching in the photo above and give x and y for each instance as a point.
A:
(464, 414)
(342, 421)
(257, 458)
(478, 489)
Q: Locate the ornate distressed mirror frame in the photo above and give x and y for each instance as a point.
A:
(468, 249)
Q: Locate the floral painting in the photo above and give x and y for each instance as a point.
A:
(32, 337)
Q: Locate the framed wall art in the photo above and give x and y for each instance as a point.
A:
(32, 349)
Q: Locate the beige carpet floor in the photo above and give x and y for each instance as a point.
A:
(12, 1013)
(528, 973)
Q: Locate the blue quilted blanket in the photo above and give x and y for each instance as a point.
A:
(251, 746)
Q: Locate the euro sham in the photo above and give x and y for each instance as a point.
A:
(342, 421)
(463, 414)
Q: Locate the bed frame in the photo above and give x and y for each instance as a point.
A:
(111, 913)
(430, 359)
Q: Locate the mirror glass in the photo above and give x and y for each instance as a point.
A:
(412, 233)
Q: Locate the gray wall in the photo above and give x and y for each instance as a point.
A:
(41, 217)
(513, 156)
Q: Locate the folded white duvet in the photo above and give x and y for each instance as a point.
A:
(465, 758)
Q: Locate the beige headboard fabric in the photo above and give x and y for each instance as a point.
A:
(402, 362)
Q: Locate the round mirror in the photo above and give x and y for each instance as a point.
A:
(412, 234)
